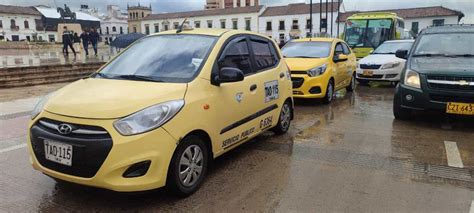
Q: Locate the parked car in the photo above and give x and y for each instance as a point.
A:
(320, 66)
(157, 116)
(382, 64)
(439, 73)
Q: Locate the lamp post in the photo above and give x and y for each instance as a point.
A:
(310, 18)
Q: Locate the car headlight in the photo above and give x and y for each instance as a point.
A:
(390, 65)
(412, 79)
(40, 106)
(149, 118)
(317, 70)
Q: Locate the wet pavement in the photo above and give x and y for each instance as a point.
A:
(349, 156)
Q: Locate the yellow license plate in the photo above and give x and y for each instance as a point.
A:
(368, 72)
(460, 108)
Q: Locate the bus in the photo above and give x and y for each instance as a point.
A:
(366, 31)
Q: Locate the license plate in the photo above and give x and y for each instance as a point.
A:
(58, 152)
(368, 72)
(460, 108)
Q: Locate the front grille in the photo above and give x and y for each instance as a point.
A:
(370, 66)
(373, 76)
(299, 72)
(455, 83)
(89, 150)
(446, 98)
(297, 82)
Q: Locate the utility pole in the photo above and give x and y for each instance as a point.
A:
(310, 18)
(332, 9)
(320, 14)
(338, 18)
(326, 17)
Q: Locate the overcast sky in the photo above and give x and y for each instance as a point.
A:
(466, 6)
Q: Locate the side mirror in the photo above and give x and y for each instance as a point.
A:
(340, 57)
(230, 74)
(403, 54)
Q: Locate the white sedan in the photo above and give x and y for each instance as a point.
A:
(382, 64)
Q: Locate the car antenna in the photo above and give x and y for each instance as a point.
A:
(180, 28)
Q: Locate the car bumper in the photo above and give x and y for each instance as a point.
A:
(156, 146)
(380, 75)
(309, 87)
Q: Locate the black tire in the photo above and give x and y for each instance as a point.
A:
(399, 112)
(174, 182)
(329, 93)
(284, 119)
(353, 84)
(363, 82)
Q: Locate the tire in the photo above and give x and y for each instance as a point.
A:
(329, 93)
(187, 158)
(363, 82)
(399, 112)
(284, 120)
(353, 84)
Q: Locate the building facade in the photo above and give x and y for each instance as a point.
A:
(135, 16)
(20, 24)
(114, 23)
(222, 4)
(243, 18)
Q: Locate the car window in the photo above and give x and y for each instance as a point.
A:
(236, 54)
(339, 49)
(347, 50)
(264, 55)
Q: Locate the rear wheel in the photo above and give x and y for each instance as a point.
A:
(399, 112)
(188, 166)
(329, 92)
(353, 84)
(284, 120)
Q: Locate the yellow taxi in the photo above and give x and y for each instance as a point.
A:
(320, 67)
(159, 112)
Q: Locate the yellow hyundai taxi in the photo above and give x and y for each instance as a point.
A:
(320, 66)
(159, 112)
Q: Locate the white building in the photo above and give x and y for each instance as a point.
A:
(114, 23)
(293, 21)
(19, 23)
(243, 18)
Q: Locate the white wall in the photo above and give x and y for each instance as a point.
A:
(19, 21)
(426, 22)
(110, 24)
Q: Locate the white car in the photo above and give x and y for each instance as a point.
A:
(382, 64)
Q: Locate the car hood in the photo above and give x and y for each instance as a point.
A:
(109, 99)
(380, 59)
(303, 64)
(435, 65)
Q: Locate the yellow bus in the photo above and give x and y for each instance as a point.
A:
(366, 31)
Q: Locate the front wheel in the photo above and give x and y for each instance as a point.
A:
(399, 112)
(353, 84)
(284, 120)
(188, 166)
(329, 93)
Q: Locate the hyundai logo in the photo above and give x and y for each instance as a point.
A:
(64, 129)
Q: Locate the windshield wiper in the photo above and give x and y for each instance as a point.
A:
(138, 78)
(433, 55)
(464, 55)
(102, 75)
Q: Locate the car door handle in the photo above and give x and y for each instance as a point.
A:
(282, 75)
(253, 87)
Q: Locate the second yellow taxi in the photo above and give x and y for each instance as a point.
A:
(320, 67)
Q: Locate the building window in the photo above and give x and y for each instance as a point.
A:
(282, 37)
(1, 24)
(176, 25)
(130, 16)
(147, 29)
(143, 14)
(295, 25)
(121, 30)
(27, 25)
(51, 38)
(308, 24)
(166, 27)
(12, 24)
(209, 24)
(324, 25)
(107, 30)
(157, 28)
(414, 28)
(235, 24)
(223, 23)
(114, 29)
(134, 29)
(438, 22)
(269, 26)
(197, 24)
(282, 25)
(247, 24)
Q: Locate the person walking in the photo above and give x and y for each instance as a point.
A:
(94, 39)
(68, 39)
(85, 41)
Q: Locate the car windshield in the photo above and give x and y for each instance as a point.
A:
(309, 49)
(367, 33)
(445, 44)
(392, 47)
(163, 58)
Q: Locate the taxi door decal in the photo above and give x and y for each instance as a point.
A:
(249, 118)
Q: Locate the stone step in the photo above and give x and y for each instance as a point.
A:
(62, 74)
(34, 82)
(33, 73)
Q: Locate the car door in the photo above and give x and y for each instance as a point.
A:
(341, 66)
(350, 64)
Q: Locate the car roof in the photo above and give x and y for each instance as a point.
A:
(455, 28)
(316, 39)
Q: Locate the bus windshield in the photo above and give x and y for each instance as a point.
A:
(368, 33)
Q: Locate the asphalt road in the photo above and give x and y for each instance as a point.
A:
(349, 156)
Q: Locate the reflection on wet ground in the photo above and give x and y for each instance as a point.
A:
(348, 156)
(49, 56)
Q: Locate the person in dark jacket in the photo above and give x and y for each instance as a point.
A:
(85, 41)
(94, 39)
(68, 39)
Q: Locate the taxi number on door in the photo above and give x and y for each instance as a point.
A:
(271, 90)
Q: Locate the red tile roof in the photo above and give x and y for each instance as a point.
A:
(296, 9)
(419, 12)
(214, 12)
(18, 10)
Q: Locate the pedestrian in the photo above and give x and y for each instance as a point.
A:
(94, 39)
(68, 39)
(85, 41)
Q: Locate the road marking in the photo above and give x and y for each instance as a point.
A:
(12, 148)
(452, 153)
(472, 207)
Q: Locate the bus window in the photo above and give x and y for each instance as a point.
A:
(368, 33)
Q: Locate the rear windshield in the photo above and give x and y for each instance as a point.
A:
(445, 44)
(392, 47)
(309, 49)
